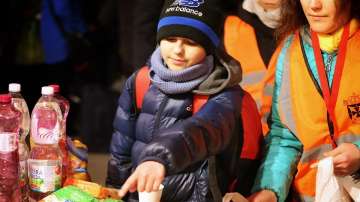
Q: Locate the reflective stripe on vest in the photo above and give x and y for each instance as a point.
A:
(240, 42)
(303, 111)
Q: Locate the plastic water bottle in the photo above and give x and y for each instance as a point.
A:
(64, 107)
(19, 103)
(44, 163)
(9, 156)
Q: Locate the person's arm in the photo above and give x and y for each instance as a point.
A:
(282, 149)
(282, 153)
(69, 13)
(120, 165)
(192, 140)
(204, 134)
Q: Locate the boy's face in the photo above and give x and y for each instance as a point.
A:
(179, 53)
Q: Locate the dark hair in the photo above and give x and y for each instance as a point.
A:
(293, 17)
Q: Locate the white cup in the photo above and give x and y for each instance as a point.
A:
(153, 196)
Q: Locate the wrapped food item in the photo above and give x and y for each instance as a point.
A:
(69, 194)
(73, 194)
(93, 189)
(78, 155)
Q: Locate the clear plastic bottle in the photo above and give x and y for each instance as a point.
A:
(9, 156)
(44, 163)
(64, 107)
(19, 103)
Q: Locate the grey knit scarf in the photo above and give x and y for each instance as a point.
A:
(176, 82)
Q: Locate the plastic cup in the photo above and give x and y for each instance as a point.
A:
(153, 196)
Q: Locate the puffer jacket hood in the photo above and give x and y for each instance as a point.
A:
(227, 73)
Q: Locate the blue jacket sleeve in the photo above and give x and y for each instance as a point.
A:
(282, 149)
(120, 165)
(194, 139)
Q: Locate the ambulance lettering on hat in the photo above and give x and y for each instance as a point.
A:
(198, 20)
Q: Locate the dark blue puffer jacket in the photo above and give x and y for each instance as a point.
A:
(166, 131)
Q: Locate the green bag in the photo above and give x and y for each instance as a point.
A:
(73, 194)
(69, 194)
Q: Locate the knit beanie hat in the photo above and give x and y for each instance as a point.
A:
(198, 20)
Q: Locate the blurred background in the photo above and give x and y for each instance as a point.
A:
(85, 47)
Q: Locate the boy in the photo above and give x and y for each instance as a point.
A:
(165, 143)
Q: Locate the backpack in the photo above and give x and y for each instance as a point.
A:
(250, 143)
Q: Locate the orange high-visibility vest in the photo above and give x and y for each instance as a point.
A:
(302, 109)
(240, 42)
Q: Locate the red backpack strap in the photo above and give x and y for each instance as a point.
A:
(252, 128)
(251, 145)
(142, 84)
(199, 101)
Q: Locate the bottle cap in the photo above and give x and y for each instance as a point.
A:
(5, 98)
(14, 87)
(47, 90)
(56, 88)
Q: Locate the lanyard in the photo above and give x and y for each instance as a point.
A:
(330, 94)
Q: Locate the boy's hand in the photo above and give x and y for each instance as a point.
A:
(234, 197)
(346, 158)
(146, 177)
(263, 196)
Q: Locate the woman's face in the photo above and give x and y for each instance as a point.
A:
(269, 4)
(179, 53)
(326, 16)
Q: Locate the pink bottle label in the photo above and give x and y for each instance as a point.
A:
(8, 141)
(45, 127)
(47, 135)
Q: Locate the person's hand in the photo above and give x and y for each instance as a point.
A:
(146, 177)
(346, 158)
(263, 196)
(233, 197)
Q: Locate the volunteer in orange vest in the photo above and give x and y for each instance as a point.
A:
(316, 101)
(249, 38)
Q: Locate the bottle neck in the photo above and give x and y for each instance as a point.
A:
(15, 94)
